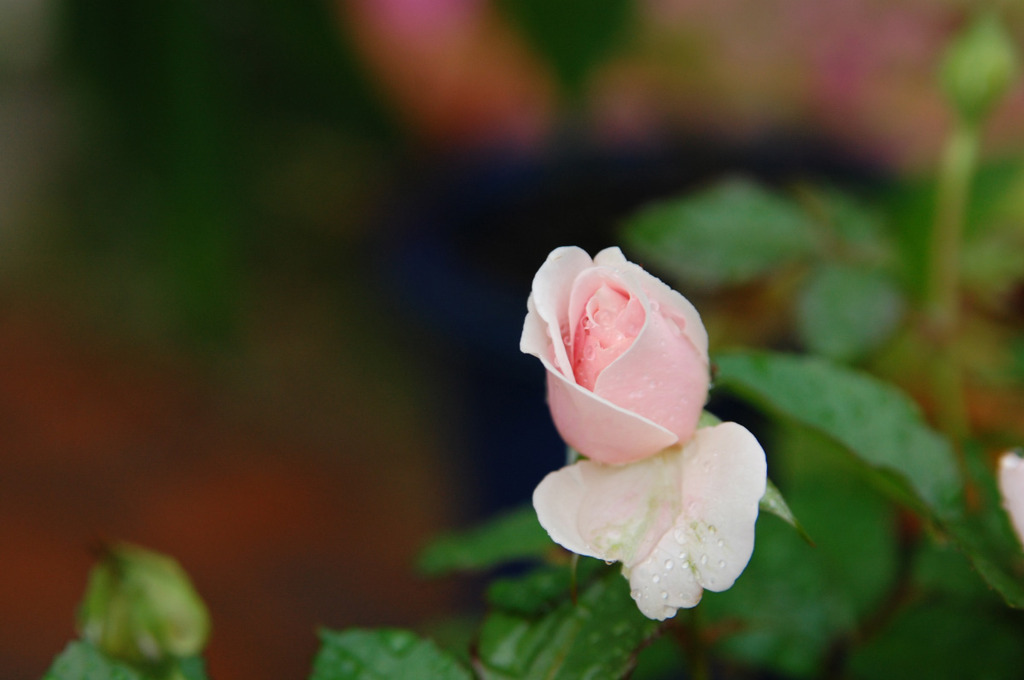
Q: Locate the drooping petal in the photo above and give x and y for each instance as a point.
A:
(1011, 487)
(723, 479)
(611, 512)
(557, 500)
(600, 429)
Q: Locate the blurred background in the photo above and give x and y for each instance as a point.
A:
(263, 265)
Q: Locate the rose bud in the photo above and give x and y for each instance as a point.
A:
(626, 356)
(140, 606)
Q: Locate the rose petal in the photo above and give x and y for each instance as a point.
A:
(1011, 487)
(669, 302)
(557, 500)
(552, 286)
(661, 376)
(611, 512)
(604, 431)
(724, 475)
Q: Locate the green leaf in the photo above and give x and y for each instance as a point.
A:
(573, 36)
(773, 502)
(873, 420)
(942, 641)
(82, 661)
(193, 668)
(732, 233)
(388, 654)
(794, 600)
(598, 637)
(540, 588)
(845, 311)
(514, 536)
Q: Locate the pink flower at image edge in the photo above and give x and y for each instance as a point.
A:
(1011, 487)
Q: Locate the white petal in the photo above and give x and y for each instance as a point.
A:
(724, 475)
(557, 500)
(611, 512)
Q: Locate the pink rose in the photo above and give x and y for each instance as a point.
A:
(627, 356)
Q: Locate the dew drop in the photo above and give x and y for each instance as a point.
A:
(712, 530)
(609, 562)
(721, 564)
(682, 556)
(664, 595)
(635, 594)
(589, 353)
(721, 543)
(703, 559)
(668, 564)
(680, 536)
(656, 578)
(655, 306)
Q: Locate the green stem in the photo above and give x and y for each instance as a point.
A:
(696, 653)
(942, 295)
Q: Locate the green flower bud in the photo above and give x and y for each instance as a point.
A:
(978, 67)
(140, 606)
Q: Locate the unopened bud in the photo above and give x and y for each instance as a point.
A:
(978, 67)
(140, 606)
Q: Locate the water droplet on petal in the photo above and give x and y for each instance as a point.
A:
(680, 536)
(656, 578)
(721, 564)
(703, 559)
(655, 306)
(721, 543)
(668, 564)
(711, 529)
(589, 353)
(682, 556)
(609, 562)
(664, 595)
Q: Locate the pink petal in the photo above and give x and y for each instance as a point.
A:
(599, 428)
(552, 286)
(661, 377)
(669, 302)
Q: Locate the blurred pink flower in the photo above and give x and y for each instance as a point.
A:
(1011, 486)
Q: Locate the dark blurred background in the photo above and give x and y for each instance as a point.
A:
(263, 265)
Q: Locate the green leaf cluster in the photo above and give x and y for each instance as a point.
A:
(737, 232)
